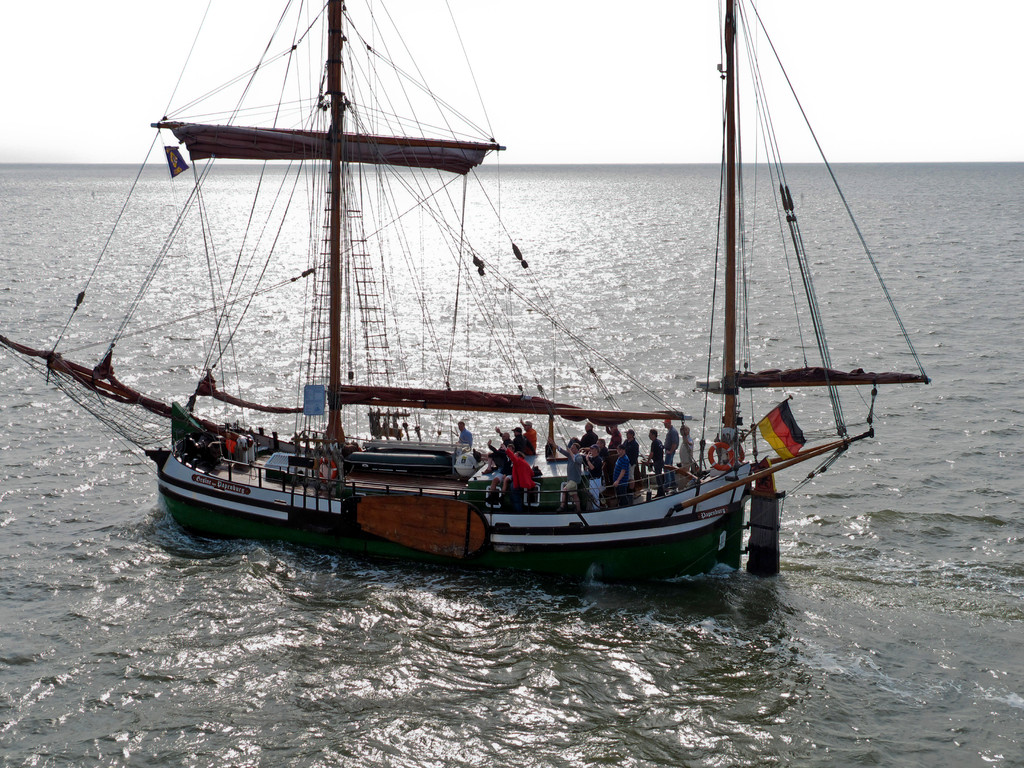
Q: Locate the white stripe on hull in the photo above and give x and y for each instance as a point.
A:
(640, 515)
(195, 484)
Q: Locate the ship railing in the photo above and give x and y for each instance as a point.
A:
(306, 489)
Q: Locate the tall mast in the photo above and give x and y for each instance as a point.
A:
(335, 41)
(731, 203)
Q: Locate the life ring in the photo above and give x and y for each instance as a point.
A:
(730, 456)
(328, 470)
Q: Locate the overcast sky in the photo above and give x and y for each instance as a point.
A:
(568, 81)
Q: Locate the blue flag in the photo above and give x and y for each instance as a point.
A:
(175, 161)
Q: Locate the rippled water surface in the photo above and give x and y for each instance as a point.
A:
(893, 636)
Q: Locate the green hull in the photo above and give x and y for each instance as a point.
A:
(686, 557)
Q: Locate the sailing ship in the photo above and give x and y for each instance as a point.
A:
(372, 466)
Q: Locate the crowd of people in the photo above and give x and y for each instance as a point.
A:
(600, 471)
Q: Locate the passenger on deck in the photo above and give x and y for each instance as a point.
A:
(671, 446)
(500, 457)
(521, 444)
(656, 458)
(531, 436)
(522, 479)
(614, 437)
(594, 467)
(620, 476)
(686, 450)
(608, 462)
(491, 462)
(589, 435)
(632, 449)
(573, 475)
(465, 436)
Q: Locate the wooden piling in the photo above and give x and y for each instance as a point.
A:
(763, 545)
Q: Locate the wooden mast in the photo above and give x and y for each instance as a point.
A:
(335, 41)
(731, 203)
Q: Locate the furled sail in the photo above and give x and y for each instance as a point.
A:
(824, 377)
(815, 376)
(240, 143)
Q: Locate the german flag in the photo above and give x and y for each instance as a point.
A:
(780, 429)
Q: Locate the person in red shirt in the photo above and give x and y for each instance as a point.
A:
(615, 437)
(522, 479)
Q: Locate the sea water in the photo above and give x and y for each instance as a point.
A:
(894, 634)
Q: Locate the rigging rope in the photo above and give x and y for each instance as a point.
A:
(820, 469)
(794, 230)
(458, 285)
(714, 292)
(469, 66)
(198, 313)
(188, 58)
(106, 245)
(154, 268)
(846, 205)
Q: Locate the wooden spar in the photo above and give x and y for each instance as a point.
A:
(729, 357)
(335, 41)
